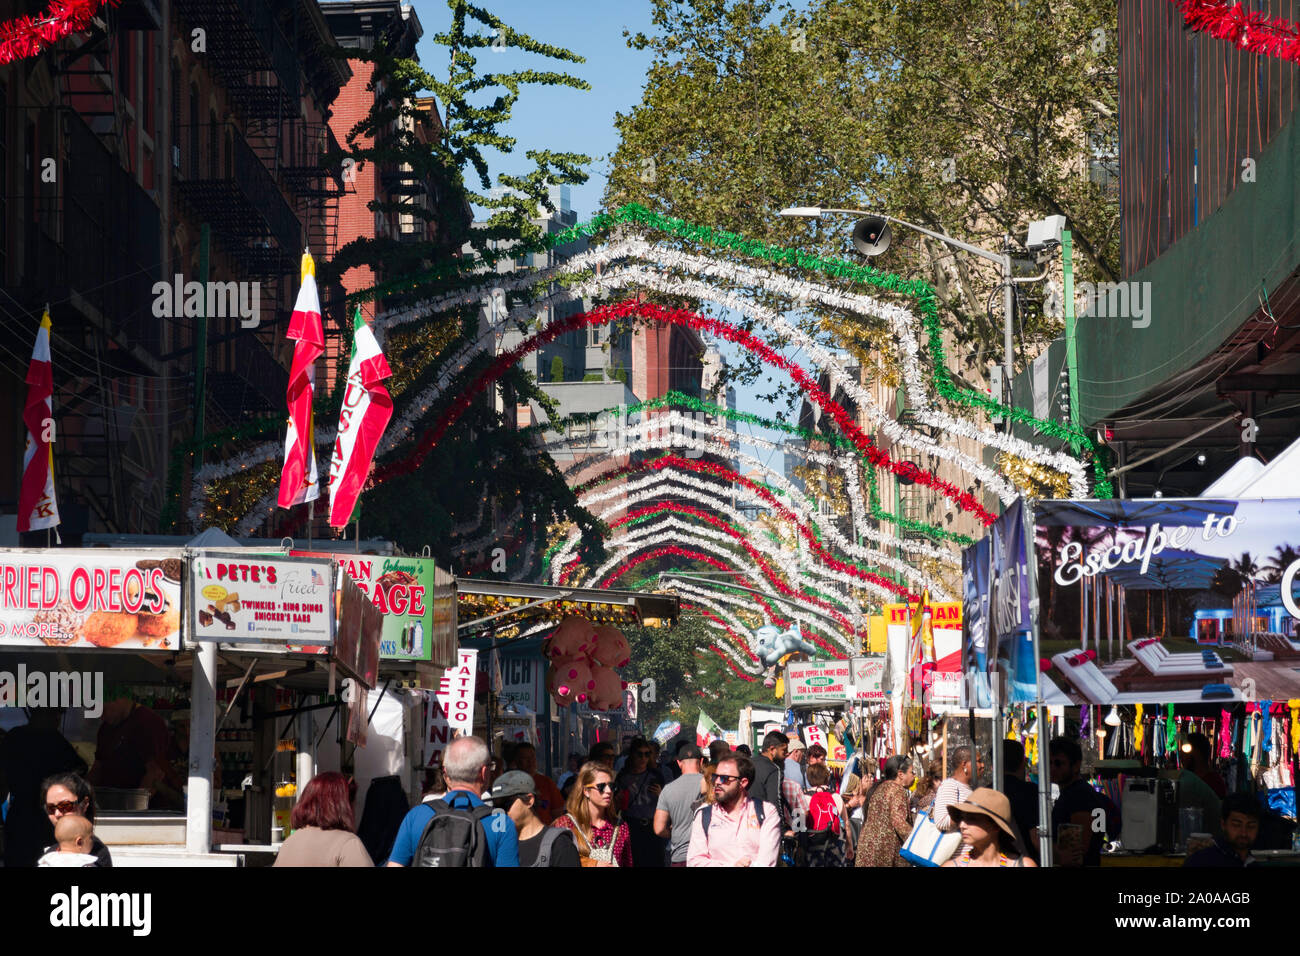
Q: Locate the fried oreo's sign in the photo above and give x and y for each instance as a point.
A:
(91, 597)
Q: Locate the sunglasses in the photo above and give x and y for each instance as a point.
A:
(601, 787)
(724, 778)
(63, 806)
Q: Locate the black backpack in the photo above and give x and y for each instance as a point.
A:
(455, 837)
(551, 836)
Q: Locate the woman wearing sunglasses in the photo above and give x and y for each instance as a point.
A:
(602, 839)
(66, 793)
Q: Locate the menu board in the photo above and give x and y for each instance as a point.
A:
(91, 598)
(816, 682)
(238, 598)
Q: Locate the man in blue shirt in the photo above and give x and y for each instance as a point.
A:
(465, 765)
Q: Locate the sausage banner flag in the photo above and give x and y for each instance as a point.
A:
(299, 481)
(37, 507)
(367, 408)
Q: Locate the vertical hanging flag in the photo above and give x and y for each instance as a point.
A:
(299, 481)
(706, 730)
(37, 507)
(367, 408)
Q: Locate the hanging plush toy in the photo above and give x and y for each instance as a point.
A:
(573, 679)
(562, 691)
(607, 690)
(612, 648)
(774, 644)
(573, 638)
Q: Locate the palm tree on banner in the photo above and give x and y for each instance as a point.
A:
(1247, 566)
(1284, 556)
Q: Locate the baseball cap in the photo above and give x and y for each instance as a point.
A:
(795, 744)
(511, 784)
(688, 751)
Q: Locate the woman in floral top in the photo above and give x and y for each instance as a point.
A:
(603, 840)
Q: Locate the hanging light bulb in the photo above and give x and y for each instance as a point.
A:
(1113, 717)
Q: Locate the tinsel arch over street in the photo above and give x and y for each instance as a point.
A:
(799, 567)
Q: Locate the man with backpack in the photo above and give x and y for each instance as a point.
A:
(458, 830)
(678, 802)
(539, 845)
(735, 830)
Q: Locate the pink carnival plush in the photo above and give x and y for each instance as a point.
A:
(574, 637)
(612, 648)
(608, 691)
(562, 692)
(574, 677)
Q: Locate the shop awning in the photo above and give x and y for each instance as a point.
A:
(518, 609)
(1121, 513)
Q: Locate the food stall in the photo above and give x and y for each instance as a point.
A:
(493, 614)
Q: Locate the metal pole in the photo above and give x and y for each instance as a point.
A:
(305, 759)
(1071, 344)
(203, 728)
(1044, 724)
(1008, 343)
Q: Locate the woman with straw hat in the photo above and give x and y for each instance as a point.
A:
(987, 834)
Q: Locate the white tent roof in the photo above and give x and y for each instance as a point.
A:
(1278, 479)
(1232, 481)
(213, 538)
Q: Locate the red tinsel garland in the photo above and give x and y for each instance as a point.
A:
(627, 310)
(1251, 30)
(676, 551)
(768, 571)
(25, 37)
(785, 513)
(736, 638)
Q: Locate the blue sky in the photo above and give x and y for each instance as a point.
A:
(564, 119)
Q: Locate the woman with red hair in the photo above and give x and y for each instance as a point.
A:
(323, 828)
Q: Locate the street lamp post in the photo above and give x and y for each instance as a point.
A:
(1002, 261)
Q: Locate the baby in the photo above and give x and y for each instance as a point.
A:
(75, 834)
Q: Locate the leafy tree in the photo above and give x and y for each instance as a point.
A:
(970, 118)
(557, 369)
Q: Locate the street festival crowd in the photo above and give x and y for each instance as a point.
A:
(784, 806)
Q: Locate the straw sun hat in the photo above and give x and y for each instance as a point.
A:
(989, 803)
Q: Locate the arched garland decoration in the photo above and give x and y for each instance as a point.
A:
(660, 534)
(676, 441)
(921, 294)
(673, 550)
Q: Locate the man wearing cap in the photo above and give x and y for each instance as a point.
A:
(539, 845)
(794, 763)
(677, 803)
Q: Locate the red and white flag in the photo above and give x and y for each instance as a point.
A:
(299, 481)
(367, 408)
(37, 506)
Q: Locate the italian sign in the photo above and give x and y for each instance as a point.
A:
(452, 707)
(942, 683)
(91, 598)
(868, 672)
(237, 598)
(816, 682)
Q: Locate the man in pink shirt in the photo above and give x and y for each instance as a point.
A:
(735, 830)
